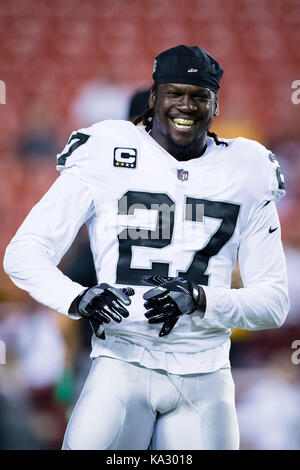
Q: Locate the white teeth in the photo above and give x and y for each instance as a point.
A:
(181, 123)
(186, 122)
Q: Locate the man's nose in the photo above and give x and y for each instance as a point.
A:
(186, 104)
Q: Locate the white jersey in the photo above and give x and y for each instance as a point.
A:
(148, 213)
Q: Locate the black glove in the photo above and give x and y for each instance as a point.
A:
(101, 304)
(171, 298)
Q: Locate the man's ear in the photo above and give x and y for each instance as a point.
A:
(152, 98)
(216, 105)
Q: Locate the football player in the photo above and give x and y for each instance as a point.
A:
(168, 207)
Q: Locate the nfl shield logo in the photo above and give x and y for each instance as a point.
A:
(182, 175)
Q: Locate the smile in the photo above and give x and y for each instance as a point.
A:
(183, 124)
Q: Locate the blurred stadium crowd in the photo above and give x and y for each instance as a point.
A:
(67, 64)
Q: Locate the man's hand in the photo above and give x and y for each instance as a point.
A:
(101, 304)
(171, 298)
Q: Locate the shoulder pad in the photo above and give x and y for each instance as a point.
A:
(262, 167)
(74, 151)
(76, 148)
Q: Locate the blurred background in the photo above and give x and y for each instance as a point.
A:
(67, 64)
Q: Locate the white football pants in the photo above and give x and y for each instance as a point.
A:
(125, 406)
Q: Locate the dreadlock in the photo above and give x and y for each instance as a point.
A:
(216, 139)
(147, 116)
(147, 119)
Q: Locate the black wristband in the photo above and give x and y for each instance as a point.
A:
(201, 300)
(73, 309)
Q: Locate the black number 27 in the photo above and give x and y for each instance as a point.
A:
(226, 211)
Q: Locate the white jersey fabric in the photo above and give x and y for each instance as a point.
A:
(148, 213)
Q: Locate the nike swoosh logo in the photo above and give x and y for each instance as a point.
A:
(271, 229)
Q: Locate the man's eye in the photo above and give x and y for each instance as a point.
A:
(201, 97)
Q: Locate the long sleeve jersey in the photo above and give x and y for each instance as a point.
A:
(148, 213)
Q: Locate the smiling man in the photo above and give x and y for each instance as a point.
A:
(168, 208)
(184, 115)
(185, 100)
